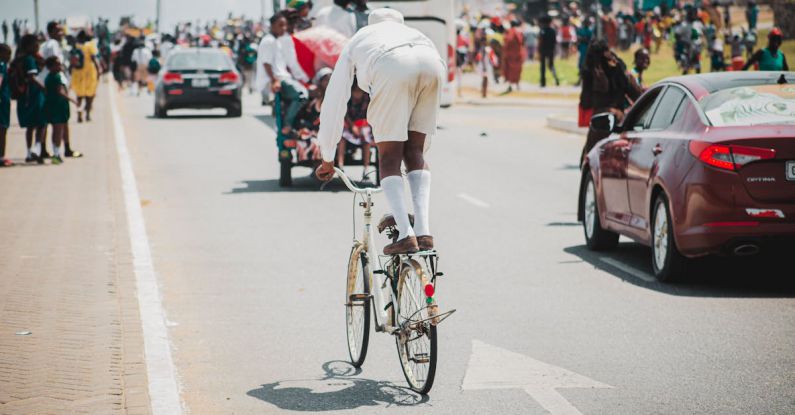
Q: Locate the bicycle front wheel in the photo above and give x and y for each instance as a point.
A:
(416, 343)
(357, 306)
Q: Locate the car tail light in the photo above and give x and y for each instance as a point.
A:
(765, 213)
(729, 157)
(172, 78)
(229, 77)
(450, 63)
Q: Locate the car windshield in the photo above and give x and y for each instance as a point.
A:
(211, 61)
(751, 105)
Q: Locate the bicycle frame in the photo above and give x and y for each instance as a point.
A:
(379, 279)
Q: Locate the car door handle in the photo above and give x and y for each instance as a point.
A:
(657, 149)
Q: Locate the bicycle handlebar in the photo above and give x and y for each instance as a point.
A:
(353, 188)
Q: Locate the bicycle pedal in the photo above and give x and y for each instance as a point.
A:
(421, 358)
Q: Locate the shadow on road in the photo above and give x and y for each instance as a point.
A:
(300, 184)
(188, 116)
(267, 120)
(768, 275)
(338, 390)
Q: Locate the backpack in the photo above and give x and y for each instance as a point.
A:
(16, 79)
(76, 58)
(153, 67)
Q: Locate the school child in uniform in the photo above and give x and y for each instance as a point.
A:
(56, 104)
(5, 103)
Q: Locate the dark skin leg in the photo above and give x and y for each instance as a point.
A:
(2, 142)
(57, 134)
(65, 136)
(89, 105)
(29, 137)
(393, 153)
(79, 114)
(41, 138)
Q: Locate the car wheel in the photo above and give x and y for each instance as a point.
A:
(667, 262)
(235, 111)
(596, 237)
(286, 173)
(159, 111)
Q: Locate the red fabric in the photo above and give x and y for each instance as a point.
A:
(584, 116)
(325, 43)
(512, 58)
(306, 58)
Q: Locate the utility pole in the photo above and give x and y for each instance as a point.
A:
(36, 14)
(157, 18)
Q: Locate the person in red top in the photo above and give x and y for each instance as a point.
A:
(512, 55)
(566, 38)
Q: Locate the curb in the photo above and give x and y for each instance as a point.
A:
(518, 102)
(563, 123)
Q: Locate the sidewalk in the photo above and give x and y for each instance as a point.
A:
(70, 334)
(528, 94)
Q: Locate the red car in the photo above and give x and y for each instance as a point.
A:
(700, 165)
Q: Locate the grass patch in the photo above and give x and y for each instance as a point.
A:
(662, 66)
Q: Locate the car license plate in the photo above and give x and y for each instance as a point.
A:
(200, 82)
(791, 170)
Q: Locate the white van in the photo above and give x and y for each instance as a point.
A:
(434, 18)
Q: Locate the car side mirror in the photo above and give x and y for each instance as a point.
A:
(604, 122)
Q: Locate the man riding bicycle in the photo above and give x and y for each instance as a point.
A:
(403, 73)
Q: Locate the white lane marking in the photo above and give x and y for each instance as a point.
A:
(645, 276)
(473, 200)
(492, 367)
(163, 387)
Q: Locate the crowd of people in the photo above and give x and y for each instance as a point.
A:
(46, 71)
(496, 46)
(39, 76)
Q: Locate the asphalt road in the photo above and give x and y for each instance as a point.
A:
(252, 281)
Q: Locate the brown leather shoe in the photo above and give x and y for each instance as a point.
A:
(425, 242)
(407, 245)
(389, 220)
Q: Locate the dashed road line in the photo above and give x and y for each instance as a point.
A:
(473, 200)
(163, 386)
(645, 276)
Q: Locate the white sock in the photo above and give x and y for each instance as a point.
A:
(28, 156)
(420, 183)
(393, 189)
(56, 151)
(37, 148)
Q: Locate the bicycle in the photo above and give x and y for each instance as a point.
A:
(410, 314)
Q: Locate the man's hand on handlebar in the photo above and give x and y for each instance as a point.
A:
(325, 172)
(276, 86)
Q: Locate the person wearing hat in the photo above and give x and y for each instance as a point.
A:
(403, 73)
(302, 8)
(770, 58)
(338, 17)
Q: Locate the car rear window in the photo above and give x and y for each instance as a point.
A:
(210, 61)
(751, 105)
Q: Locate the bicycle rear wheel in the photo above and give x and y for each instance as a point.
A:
(416, 343)
(357, 306)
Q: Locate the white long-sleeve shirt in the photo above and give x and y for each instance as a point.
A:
(337, 18)
(358, 58)
(280, 55)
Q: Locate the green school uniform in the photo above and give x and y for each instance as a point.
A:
(768, 62)
(5, 97)
(30, 106)
(55, 105)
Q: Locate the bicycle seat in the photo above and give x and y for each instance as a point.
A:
(388, 221)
